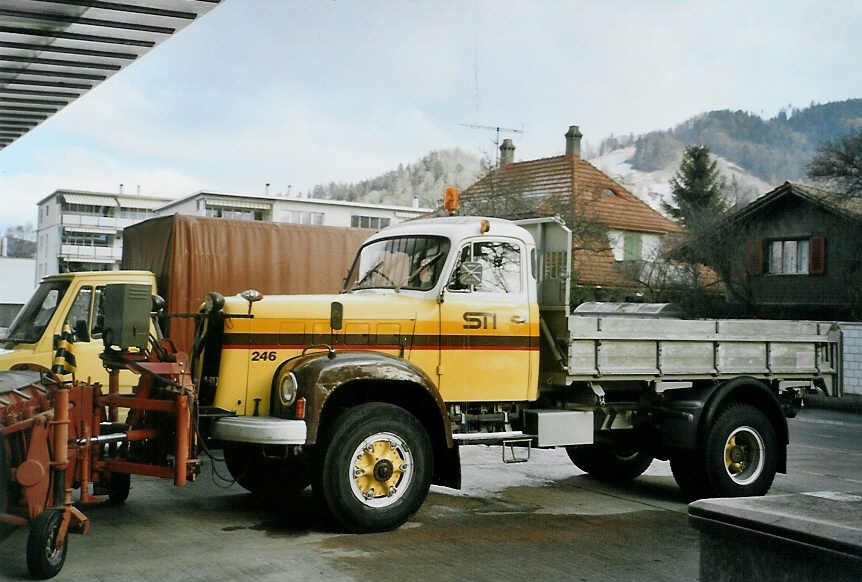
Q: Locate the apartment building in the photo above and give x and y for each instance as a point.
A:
(83, 231)
(292, 210)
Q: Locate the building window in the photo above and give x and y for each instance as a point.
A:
(234, 213)
(788, 257)
(136, 213)
(632, 246)
(303, 217)
(376, 222)
(87, 239)
(801, 256)
(89, 209)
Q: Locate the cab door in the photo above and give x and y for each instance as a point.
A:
(487, 332)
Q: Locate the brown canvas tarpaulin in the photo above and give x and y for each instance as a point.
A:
(191, 256)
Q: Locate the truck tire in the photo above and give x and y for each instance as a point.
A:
(43, 559)
(264, 475)
(689, 473)
(376, 467)
(608, 463)
(740, 455)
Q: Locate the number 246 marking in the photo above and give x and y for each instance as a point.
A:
(257, 356)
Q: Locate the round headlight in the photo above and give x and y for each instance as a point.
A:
(287, 389)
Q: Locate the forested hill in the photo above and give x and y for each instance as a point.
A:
(754, 154)
(425, 179)
(773, 150)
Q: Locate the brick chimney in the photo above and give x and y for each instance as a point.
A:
(573, 141)
(507, 152)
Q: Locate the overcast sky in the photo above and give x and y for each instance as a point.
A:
(297, 93)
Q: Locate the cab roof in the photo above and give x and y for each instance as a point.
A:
(100, 274)
(455, 228)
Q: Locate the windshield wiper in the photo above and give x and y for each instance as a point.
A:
(374, 270)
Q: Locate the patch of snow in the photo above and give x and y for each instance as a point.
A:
(654, 187)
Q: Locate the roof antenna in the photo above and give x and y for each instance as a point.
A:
(498, 130)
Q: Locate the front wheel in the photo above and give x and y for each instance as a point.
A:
(741, 453)
(44, 559)
(609, 463)
(376, 467)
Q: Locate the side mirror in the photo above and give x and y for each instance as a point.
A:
(80, 333)
(470, 273)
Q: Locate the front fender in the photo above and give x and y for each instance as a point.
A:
(351, 377)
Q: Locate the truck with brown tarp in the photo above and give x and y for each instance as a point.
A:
(181, 258)
(191, 256)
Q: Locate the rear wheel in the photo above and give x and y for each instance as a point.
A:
(609, 463)
(376, 467)
(258, 473)
(44, 559)
(741, 453)
(689, 473)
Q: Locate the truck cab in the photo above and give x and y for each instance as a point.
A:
(70, 302)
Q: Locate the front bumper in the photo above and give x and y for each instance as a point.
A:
(263, 430)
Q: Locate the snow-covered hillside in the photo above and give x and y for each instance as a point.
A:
(654, 187)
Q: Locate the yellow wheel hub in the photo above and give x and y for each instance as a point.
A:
(735, 455)
(378, 469)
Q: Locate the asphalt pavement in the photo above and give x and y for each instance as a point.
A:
(541, 520)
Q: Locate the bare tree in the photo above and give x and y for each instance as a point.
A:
(838, 164)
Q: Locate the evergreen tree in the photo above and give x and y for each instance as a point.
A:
(696, 199)
(839, 164)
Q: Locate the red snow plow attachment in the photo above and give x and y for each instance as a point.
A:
(58, 436)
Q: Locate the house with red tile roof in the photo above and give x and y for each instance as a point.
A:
(616, 235)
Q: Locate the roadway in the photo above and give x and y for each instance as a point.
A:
(541, 520)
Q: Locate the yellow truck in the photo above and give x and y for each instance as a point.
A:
(178, 257)
(70, 301)
(458, 330)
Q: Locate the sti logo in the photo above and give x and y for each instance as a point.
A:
(479, 320)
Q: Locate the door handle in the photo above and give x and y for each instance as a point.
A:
(519, 319)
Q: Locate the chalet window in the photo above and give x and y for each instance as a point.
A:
(632, 246)
(790, 257)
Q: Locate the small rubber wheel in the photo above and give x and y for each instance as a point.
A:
(608, 463)
(118, 488)
(376, 467)
(43, 559)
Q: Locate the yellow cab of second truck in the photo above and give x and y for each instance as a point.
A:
(477, 342)
(73, 300)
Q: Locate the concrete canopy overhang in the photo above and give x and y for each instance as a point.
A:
(54, 51)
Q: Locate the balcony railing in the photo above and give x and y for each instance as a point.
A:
(99, 253)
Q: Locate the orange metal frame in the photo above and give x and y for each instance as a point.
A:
(52, 429)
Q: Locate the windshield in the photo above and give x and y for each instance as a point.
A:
(32, 320)
(410, 262)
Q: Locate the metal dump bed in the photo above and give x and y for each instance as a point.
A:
(670, 349)
(610, 342)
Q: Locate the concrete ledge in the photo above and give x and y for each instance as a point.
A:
(801, 537)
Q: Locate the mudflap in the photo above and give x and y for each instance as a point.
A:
(447, 467)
